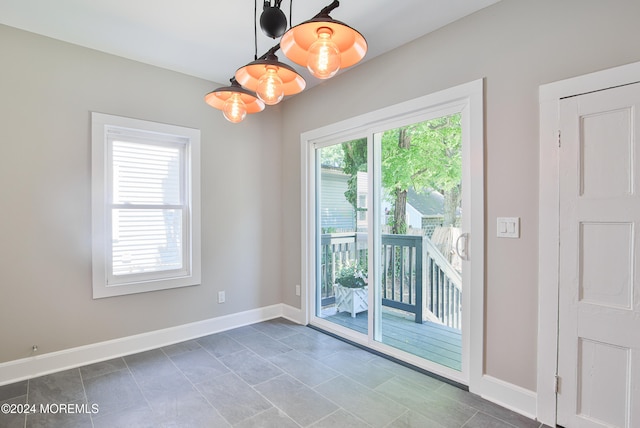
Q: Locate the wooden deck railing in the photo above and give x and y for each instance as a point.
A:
(335, 250)
(445, 288)
(415, 275)
(402, 278)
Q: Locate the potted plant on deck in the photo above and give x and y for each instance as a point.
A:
(351, 290)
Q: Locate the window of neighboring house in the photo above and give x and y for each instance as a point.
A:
(146, 206)
(362, 207)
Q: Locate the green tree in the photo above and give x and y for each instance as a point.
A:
(355, 160)
(425, 155)
(332, 156)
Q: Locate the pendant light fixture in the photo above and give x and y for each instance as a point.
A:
(324, 45)
(234, 101)
(270, 78)
(321, 44)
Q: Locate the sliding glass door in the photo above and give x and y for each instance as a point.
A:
(413, 291)
(420, 273)
(390, 207)
(342, 234)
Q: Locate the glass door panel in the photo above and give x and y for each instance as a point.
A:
(342, 195)
(420, 274)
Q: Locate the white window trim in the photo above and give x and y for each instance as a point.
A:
(100, 125)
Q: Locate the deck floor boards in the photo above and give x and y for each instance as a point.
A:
(432, 341)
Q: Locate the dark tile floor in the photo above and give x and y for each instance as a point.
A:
(272, 374)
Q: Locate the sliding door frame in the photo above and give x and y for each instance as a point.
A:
(466, 99)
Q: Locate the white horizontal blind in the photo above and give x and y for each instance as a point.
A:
(148, 207)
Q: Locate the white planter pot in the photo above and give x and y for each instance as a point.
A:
(352, 300)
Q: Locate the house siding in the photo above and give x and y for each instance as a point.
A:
(336, 213)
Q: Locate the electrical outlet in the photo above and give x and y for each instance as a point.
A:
(297, 289)
(221, 297)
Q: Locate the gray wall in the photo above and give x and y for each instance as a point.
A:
(251, 172)
(516, 45)
(47, 91)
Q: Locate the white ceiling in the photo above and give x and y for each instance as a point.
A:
(212, 38)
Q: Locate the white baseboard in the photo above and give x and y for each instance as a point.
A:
(27, 368)
(292, 314)
(508, 395)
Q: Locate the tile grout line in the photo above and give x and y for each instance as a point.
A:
(472, 416)
(135, 380)
(27, 401)
(484, 412)
(86, 398)
(348, 412)
(498, 418)
(398, 418)
(273, 405)
(195, 387)
(334, 402)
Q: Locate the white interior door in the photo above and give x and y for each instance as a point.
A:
(599, 271)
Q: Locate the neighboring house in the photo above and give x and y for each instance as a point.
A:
(427, 203)
(336, 212)
(424, 209)
(430, 206)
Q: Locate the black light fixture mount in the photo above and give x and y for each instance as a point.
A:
(273, 21)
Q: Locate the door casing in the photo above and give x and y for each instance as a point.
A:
(549, 199)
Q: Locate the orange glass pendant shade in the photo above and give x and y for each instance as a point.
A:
(234, 101)
(310, 45)
(271, 79)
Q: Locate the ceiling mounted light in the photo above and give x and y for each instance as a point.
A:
(270, 78)
(321, 44)
(273, 21)
(234, 101)
(324, 45)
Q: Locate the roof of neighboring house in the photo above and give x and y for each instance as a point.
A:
(427, 202)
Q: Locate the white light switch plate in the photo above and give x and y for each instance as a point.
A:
(508, 227)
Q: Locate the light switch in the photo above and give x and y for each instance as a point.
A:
(508, 227)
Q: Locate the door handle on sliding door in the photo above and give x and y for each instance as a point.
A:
(464, 254)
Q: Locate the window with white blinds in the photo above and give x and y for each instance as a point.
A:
(144, 216)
